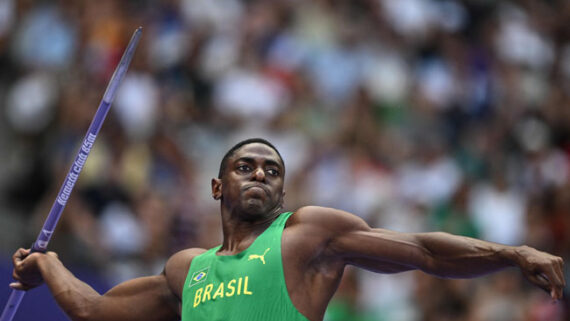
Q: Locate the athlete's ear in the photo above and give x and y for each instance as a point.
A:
(216, 188)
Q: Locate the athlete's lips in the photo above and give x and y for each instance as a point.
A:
(263, 187)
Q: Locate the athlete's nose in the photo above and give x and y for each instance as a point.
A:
(259, 174)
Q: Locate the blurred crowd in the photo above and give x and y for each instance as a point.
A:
(417, 115)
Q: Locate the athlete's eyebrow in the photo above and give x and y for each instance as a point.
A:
(268, 161)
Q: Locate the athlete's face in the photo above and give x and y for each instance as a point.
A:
(252, 182)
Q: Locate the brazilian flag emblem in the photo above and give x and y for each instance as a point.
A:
(199, 276)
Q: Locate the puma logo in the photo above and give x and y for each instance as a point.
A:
(260, 257)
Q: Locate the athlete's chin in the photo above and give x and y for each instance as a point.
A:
(255, 209)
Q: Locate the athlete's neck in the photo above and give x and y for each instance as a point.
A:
(239, 233)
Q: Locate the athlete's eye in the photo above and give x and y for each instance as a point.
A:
(273, 172)
(243, 168)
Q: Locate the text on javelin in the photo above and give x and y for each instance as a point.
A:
(76, 169)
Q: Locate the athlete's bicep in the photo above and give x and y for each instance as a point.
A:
(149, 298)
(143, 299)
(381, 250)
(348, 238)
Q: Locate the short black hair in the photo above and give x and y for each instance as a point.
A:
(237, 146)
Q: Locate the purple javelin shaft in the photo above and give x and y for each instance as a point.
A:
(40, 245)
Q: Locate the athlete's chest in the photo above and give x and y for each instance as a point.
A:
(216, 278)
(246, 286)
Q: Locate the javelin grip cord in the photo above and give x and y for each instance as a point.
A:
(41, 243)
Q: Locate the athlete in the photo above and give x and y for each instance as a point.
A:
(274, 265)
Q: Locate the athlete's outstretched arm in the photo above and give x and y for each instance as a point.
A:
(438, 253)
(148, 298)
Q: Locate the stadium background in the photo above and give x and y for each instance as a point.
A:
(417, 115)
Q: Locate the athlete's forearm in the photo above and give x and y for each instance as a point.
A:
(75, 297)
(447, 255)
(436, 253)
(463, 257)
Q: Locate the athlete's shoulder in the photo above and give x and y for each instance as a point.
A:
(320, 214)
(325, 218)
(177, 267)
(185, 256)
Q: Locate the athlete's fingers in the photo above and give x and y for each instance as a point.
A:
(550, 284)
(19, 286)
(20, 254)
(51, 253)
(15, 275)
(557, 279)
(539, 280)
(26, 273)
(19, 258)
(560, 262)
(16, 285)
(557, 284)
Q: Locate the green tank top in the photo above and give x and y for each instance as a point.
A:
(248, 286)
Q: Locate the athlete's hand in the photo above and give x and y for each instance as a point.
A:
(26, 271)
(542, 269)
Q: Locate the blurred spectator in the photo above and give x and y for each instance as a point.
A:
(7, 17)
(30, 103)
(45, 39)
(498, 211)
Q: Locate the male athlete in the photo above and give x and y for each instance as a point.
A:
(273, 265)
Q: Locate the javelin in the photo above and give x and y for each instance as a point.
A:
(40, 245)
